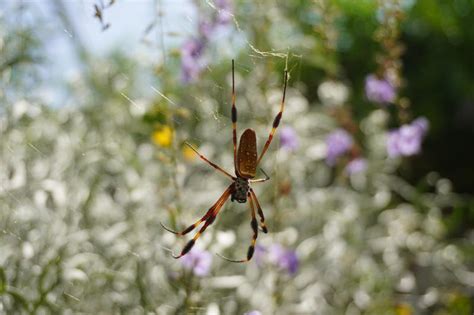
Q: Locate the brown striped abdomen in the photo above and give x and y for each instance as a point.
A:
(247, 154)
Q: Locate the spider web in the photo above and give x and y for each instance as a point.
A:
(257, 94)
(84, 189)
(188, 186)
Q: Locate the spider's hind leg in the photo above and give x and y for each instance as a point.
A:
(260, 180)
(234, 120)
(276, 121)
(214, 165)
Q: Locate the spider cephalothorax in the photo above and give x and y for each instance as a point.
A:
(241, 190)
(245, 166)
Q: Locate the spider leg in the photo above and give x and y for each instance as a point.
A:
(234, 120)
(254, 226)
(260, 180)
(276, 121)
(209, 212)
(209, 219)
(260, 212)
(217, 167)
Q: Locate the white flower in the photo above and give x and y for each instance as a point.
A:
(333, 93)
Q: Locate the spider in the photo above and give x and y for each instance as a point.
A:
(245, 166)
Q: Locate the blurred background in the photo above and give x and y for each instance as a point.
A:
(369, 207)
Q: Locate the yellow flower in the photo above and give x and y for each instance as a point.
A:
(403, 309)
(188, 153)
(163, 136)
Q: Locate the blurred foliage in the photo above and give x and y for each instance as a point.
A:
(439, 71)
(85, 187)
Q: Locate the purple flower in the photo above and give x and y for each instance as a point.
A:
(283, 258)
(199, 261)
(379, 90)
(289, 139)
(338, 142)
(406, 140)
(192, 52)
(356, 165)
(224, 15)
(422, 124)
(191, 59)
(253, 313)
(206, 29)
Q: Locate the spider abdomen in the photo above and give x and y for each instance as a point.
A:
(240, 191)
(247, 154)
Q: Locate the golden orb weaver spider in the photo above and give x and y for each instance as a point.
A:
(245, 167)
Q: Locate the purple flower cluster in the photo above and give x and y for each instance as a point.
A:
(379, 90)
(406, 140)
(192, 51)
(253, 313)
(224, 14)
(289, 139)
(355, 166)
(191, 59)
(284, 258)
(277, 255)
(338, 143)
(199, 261)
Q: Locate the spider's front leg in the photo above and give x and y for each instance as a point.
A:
(208, 218)
(254, 225)
(260, 212)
